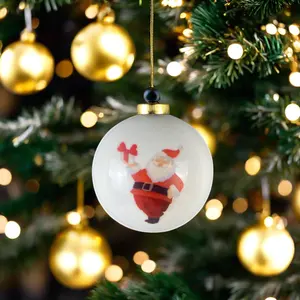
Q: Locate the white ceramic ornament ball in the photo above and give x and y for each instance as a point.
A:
(152, 173)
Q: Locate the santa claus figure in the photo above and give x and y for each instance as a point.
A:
(155, 186)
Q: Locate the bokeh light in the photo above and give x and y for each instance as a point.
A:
(235, 51)
(64, 68)
(140, 257)
(253, 165)
(148, 266)
(5, 177)
(294, 79)
(114, 273)
(174, 68)
(88, 119)
(285, 187)
(12, 230)
(73, 218)
(240, 205)
(271, 28)
(294, 29)
(3, 222)
(92, 11)
(292, 112)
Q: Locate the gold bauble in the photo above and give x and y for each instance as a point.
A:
(208, 136)
(26, 66)
(296, 201)
(78, 257)
(102, 51)
(266, 251)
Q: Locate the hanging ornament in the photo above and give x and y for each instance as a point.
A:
(26, 67)
(208, 136)
(266, 249)
(79, 255)
(296, 201)
(152, 172)
(103, 51)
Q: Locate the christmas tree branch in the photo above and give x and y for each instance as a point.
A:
(154, 287)
(55, 112)
(211, 38)
(270, 114)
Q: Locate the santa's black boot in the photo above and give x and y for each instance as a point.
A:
(152, 220)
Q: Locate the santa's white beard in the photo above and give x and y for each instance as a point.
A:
(159, 174)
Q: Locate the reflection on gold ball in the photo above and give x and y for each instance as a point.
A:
(296, 201)
(102, 51)
(266, 251)
(79, 257)
(26, 66)
(208, 136)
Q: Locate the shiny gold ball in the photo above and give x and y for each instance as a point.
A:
(26, 67)
(296, 201)
(102, 51)
(265, 251)
(78, 257)
(208, 136)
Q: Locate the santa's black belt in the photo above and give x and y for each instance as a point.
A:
(150, 187)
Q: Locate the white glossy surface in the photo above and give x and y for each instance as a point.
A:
(152, 133)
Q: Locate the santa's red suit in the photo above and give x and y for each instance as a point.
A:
(152, 197)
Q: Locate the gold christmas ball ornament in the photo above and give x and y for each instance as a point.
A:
(103, 51)
(26, 67)
(79, 257)
(266, 250)
(208, 136)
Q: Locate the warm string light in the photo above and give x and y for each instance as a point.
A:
(114, 273)
(5, 177)
(174, 68)
(64, 68)
(240, 205)
(294, 79)
(271, 29)
(172, 3)
(3, 12)
(92, 11)
(235, 51)
(292, 111)
(3, 222)
(285, 188)
(294, 29)
(148, 266)
(12, 230)
(213, 209)
(253, 165)
(276, 97)
(270, 298)
(73, 218)
(140, 257)
(88, 119)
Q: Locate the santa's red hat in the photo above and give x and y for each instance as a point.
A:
(172, 153)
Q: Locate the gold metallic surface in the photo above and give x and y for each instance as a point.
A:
(78, 257)
(155, 109)
(265, 251)
(26, 67)
(102, 51)
(208, 136)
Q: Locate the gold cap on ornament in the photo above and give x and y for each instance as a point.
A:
(153, 109)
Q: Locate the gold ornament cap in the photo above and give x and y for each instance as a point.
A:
(27, 36)
(153, 109)
(106, 14)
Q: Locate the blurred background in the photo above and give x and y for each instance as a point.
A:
(228, 69)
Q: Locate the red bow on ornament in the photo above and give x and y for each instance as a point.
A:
(123, 149)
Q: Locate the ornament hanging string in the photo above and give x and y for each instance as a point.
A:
(80, 196)
(265, 190)
(151, 31)
(28, 18)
